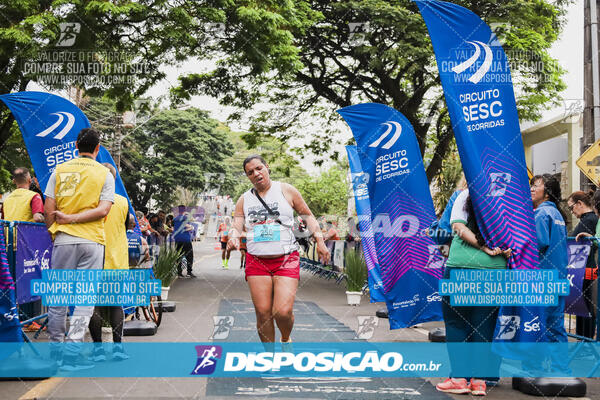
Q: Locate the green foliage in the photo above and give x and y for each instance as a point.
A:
(147, 33)
(446, 181)
(299, 57)
(326, 194)
(165, 266)
(14, 154)
(356, 271)
(176, 148)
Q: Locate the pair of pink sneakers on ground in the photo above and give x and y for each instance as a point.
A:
(460, 386)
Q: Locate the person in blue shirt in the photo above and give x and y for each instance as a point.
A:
(137, 245)
(183, 233)
(551, 232)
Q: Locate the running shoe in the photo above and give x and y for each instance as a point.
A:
(453, 385)
(191, 275)
(118, 353)
(57, 356)
(477, 387)
(76, 363)
(287, 347)
(98, 355)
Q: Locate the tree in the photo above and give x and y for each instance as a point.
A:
(175, 150)
(283, 166)
(302, 57)
(14, 156)
(129, 39)
(327, 193)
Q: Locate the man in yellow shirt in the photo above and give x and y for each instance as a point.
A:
(23, 204)
(79, 195)
(116, 256)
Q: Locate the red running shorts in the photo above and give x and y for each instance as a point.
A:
(287, 265)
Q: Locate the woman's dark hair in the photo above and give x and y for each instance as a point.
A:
(582, 197)
(475, 227)
(551, 189)
(253, 157)
(596, 201)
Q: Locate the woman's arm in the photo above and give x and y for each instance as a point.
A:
(468, 237)
(300, 206)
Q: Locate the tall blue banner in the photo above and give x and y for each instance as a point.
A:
(34, 252)
(363, 210)
(50, 125)
(401, 207)
(10, 328)
(478, 88)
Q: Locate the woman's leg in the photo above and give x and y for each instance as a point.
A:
(95, 325)
(283, 304)
(483, 320)
(261, 291)
(116, 323)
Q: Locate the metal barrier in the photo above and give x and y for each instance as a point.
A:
(334, 270)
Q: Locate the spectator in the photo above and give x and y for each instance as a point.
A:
(154, 226)
(143, 222)
(551, 235)
(353, 235)
(79, 195)
(116, 256)
(137, 246)
(183, 235)
(469, 324)
(580, 204)
(160, 227)
(23, 204)
(440, 230)
(35, 187)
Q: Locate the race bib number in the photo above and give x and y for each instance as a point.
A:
(266, 233)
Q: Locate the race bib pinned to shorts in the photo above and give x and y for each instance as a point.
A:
(266, 233)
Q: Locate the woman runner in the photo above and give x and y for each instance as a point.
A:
(272, 262)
